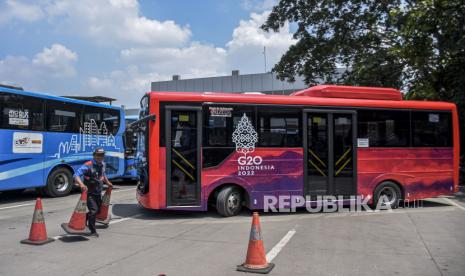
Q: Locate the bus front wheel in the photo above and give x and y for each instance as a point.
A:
(388, 193)
(229, 201)
(59, 183)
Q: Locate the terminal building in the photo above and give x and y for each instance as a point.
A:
(266, 83)
(235, 83)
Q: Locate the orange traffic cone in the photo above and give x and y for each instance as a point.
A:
(103, 215)
(77, 223)
(38, 233)
(255, 261)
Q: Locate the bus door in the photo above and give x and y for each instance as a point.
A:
(183, 141)
(329, 153)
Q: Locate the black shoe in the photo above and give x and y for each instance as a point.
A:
(95, 235)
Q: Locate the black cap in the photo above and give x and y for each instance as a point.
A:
(99, 151)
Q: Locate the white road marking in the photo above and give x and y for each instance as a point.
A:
(124, 219)
(279, 246)
(454, 203)
(16, 206)
(33, 202)
(124, 190)
(111, 222)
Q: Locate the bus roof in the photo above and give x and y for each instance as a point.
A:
(52, 97)
(297, 100)
(351, 92)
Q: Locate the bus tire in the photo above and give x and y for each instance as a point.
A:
(391, 191)
(59, 182)
(229, 201)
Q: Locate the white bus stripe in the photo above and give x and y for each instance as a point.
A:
(45, 165)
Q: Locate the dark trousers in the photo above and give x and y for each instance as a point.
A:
(93, 204)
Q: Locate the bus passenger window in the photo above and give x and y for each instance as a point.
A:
(221, 121)
(63, 117)
(384, 128)
(432, 129)
(111, 118)
(21, 112)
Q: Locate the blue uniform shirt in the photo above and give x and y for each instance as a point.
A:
(92, 174)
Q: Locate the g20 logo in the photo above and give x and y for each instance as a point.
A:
(249, 160)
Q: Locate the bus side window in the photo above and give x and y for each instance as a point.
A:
(385, 128)
(432, 129)
(217, 132)
(63, 116)
(219, 128)
(21, 112)
(111, 118)
(92, 113)
(279, 127)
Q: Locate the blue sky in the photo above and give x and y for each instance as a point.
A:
(210, 21)
(117, 47)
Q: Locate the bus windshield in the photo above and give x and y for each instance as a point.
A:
(141, 159)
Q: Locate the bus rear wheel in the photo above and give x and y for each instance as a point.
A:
(387, 193)
(59, 183)
(229, 201)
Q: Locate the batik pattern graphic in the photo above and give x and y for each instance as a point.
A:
(244, 136)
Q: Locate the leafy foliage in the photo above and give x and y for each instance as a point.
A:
(416, 46)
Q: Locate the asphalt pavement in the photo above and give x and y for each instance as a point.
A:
(408, 241)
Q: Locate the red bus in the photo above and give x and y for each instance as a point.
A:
(231, 150)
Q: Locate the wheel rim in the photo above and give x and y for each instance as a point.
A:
(61, 182)
(234, 202)
(389, 194)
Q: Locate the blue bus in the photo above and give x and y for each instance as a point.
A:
(45, 138)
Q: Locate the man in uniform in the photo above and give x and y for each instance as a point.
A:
(90, 177)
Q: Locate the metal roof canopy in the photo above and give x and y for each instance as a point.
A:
(95, 99)
(11, 86)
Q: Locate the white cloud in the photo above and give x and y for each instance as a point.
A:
(196, 60)
(16, 10)
(130, 84)
(249, 33)
(149, 50)
(116, 23)
(57, 60)
(147, 64)
(53, 64)
(15, 69)
(99, 84)
(245, 50)
(144, 65)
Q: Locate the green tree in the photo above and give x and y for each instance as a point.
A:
(416, 46)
